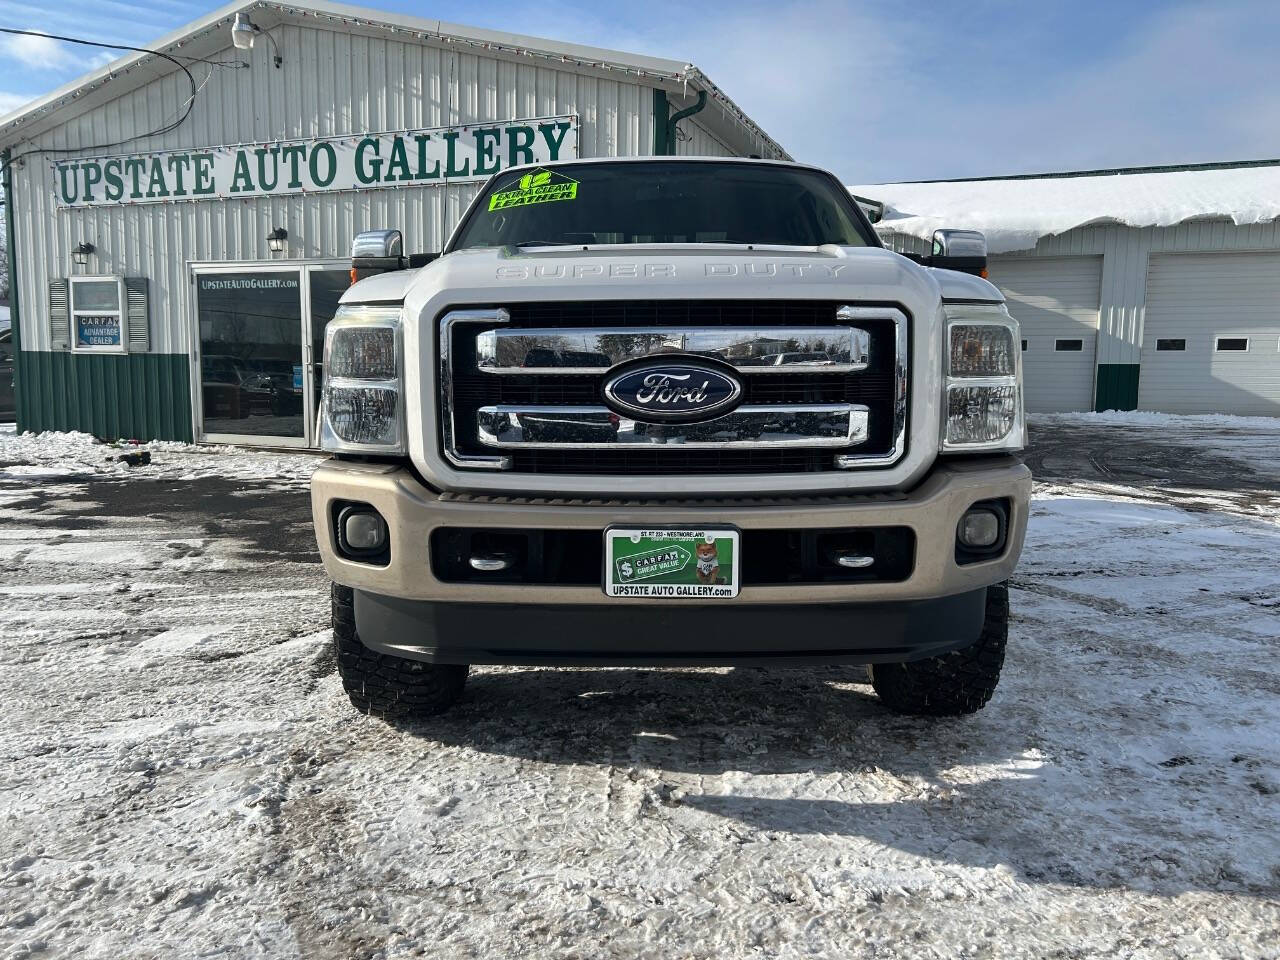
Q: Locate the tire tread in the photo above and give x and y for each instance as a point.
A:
(956, 683)
(382, 685)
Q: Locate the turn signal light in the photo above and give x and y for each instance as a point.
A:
(982, 350)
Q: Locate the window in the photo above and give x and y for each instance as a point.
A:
(1024, 346)
(664, 201)
(1229, 344)
(1171, 344)
(1068, 346)
(98, 315)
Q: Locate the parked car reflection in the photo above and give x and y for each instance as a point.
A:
(283, 377)
(231, 390)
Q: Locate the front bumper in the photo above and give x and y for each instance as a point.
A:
(413, 511)
(668, 634)
(402, 609)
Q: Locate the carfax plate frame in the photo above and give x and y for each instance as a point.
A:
(673, 592)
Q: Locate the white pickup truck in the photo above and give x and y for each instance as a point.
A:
(670, 412)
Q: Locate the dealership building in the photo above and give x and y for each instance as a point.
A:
(180, 228)
(177, 286)
(1152, 289)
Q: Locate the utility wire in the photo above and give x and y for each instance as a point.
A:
(189, 105)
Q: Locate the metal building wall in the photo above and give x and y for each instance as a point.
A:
(904, 242)
(331, 84)
(1125, 253)
(693, 139)
(705, 132)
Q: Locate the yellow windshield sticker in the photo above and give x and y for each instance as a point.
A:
(535, 187)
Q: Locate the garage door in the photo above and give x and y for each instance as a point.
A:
(1056, 302)
(1211, 340)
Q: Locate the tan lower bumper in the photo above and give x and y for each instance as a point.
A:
(413, 511)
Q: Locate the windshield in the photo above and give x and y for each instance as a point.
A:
(663, 202)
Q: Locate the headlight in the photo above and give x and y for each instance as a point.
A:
(362, 404)
(982, 405)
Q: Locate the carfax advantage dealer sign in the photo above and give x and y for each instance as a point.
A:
(443, 154)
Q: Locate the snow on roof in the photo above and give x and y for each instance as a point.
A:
(1015, 213)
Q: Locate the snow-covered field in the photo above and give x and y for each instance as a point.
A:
(180, 775)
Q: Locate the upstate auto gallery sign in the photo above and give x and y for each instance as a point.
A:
(413, 157)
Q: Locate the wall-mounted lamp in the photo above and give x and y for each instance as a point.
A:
(277, 239)
(244, 31)
(80, 255)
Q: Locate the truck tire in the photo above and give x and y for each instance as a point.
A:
(955, 683)
(385, 686)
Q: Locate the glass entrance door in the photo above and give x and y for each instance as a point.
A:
(259, 331)
(251, 356)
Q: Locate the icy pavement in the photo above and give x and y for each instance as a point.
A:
(1215, 463)
(181, 776)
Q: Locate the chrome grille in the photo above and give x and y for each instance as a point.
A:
(824, 387)
(587, 351)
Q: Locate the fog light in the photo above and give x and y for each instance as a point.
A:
(979, 528)
(364, 532)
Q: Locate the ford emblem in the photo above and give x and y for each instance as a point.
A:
(672, 390)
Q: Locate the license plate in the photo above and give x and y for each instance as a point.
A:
(694, 564)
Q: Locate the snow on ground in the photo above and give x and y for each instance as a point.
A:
(1014, 214)
(79, 454)
(181, 775)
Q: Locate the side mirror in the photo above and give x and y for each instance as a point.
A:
(377, 245)
(376, 251)
(963, 250)
(381, 251)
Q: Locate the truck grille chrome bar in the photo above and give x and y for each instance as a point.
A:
(901, 347)
(448, 428)
(569, 351)
(522, 388)
(765, 427)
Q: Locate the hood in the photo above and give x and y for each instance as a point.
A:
(965, 286)
(634, 272)
(696, 271)
(382, 288)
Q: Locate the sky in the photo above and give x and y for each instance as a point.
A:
(876, 91)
